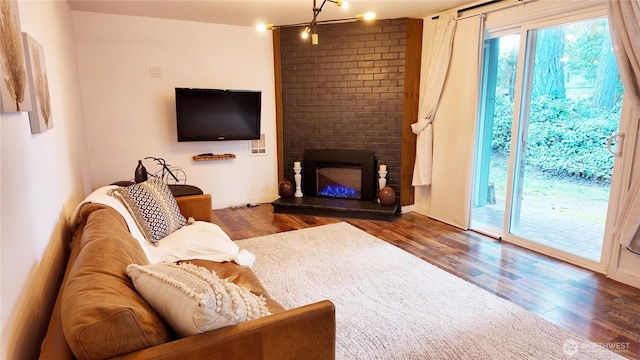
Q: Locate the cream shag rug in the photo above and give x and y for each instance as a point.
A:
(393, 305)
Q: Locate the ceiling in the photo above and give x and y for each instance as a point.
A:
(251, 13)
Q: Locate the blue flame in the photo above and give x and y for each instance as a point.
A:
(339, 192)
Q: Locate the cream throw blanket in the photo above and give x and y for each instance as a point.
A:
(197, 240)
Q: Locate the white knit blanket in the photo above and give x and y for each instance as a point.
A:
(196, 240)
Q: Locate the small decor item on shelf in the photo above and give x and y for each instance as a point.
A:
(387, 196)
(140, 173)
(285, 189)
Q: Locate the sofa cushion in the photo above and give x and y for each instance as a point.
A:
(153, 207)
(193, 299)
(102, 314)
(242, 276)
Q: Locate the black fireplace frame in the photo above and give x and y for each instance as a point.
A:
(366, 160)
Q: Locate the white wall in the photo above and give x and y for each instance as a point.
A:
(130, 115)
(44, 177)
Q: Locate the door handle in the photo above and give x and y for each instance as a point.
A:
(620, 140)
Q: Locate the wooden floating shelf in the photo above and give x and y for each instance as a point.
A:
(214, 157)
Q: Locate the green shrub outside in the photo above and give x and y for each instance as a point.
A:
(566, 137)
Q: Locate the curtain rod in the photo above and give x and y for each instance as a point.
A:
(476, 6)
(480, 5)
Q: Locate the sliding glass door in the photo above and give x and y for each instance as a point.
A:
(551, 98)
(494, 135)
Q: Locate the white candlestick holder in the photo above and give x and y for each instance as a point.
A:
(298, 178)
(382, 180)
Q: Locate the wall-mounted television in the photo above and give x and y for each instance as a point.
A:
(215, 114)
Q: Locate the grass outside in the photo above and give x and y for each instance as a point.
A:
(575, 198)
(539, 183)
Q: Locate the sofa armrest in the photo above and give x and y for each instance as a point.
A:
(54, 345)
(196, 206)
(307, 332)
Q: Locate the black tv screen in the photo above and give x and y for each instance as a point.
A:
(213, 114)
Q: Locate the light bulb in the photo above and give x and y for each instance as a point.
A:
(366, 16)
(264, 27)
(305, 33)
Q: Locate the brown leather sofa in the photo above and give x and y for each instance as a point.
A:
(98, 313)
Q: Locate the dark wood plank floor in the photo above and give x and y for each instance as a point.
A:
(583, 302)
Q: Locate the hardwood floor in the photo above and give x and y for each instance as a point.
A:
(586, 303)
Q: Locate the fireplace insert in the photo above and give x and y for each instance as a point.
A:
(340, 173)
(338, 180)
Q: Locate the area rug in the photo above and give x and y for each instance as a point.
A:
(393, 305)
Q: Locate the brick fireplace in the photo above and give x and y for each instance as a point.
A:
(356, 90)
(347, 92)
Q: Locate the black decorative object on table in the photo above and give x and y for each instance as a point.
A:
(169, 174)
(173, 176)
(140, 173)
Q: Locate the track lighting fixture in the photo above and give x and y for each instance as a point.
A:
(310, 28)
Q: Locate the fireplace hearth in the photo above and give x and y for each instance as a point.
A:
(338, 183)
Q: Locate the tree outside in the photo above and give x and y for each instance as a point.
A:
(575, 103)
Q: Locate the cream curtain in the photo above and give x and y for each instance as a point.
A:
(436, 55)
(454, 130)
(624, 24)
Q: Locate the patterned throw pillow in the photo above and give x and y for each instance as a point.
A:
(193, 299)
(153, 207)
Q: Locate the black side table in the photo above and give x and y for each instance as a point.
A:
(184, 190)
(176, 190)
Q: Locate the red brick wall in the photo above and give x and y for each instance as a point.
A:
(346, 92)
